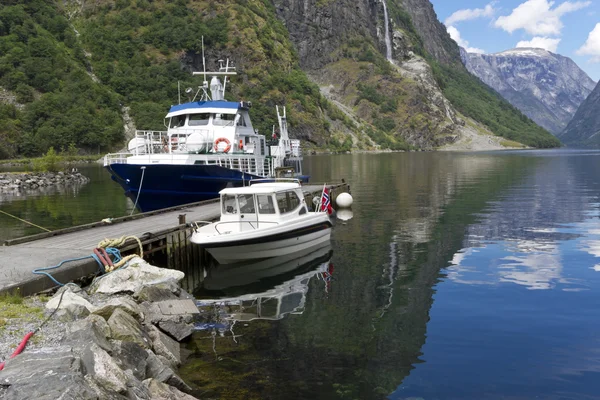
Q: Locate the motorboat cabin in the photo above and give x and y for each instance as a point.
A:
(262, 220)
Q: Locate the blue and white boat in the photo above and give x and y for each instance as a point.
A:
(209, 145)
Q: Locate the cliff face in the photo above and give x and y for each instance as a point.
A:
(318, 28)
(546, 87)
(341, 44)
(584, 128)
(436, 39)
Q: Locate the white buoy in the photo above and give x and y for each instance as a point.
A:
(344, 200)
(344, 214)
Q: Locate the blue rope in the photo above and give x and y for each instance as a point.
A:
(115, 253)
(41, 271)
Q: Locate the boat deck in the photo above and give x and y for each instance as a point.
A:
(20, 257)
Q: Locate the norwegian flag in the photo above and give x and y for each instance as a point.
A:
(326, 201)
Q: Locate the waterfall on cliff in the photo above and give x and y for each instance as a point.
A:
(388, 41)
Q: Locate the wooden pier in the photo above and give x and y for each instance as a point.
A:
(158, 231)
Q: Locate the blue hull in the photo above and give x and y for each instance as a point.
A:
(174, 185)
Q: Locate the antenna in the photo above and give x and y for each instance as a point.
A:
(225, 79)
(178, 92)
(204, 62)
(216, 88)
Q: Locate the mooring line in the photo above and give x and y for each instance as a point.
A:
(27, 222)
(139, 190)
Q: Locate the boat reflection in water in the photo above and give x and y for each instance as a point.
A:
(268, 289)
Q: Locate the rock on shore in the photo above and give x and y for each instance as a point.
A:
(34, 180)
(119, 339)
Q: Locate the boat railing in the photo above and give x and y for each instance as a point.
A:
(271, 180)
(116, 158)
(178, 141)
(248, 163)
(195, 224)
(253, 224)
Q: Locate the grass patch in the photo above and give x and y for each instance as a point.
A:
(11, 298)
(512, 143)
(68, 159)
(14, 307)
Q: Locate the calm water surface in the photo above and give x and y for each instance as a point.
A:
(460, 276)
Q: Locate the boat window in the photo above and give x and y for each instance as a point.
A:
(246, 202)
(223, 119)
(287, 201)
(177, 121)
(199, 119)
(265, 204)
(228, 203)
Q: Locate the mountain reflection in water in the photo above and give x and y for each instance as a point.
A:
(459, 276)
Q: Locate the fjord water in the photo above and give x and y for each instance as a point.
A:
(460, 276)
(62, 206)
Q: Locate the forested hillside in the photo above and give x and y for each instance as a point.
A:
(69, 70)
(51, 98)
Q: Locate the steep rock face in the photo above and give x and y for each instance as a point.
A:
(584, 128)
(318, 28)
(324, 31)
(436, 39)
(546, 87)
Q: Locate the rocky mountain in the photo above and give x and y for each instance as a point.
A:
(408, 98)
(545, 86)
(584, 128)
(73, 72)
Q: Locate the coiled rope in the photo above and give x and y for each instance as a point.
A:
(110, 244)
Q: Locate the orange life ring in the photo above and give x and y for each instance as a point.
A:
(222, 139)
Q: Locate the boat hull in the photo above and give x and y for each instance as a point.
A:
(233, 253)
(296, 236)
(166, 185)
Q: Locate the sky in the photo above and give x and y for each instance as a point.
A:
(569, 28)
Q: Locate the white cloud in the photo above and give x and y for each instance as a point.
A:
(591, 47)
(538, 42)
(468, 14)
(537, 17)
(455, 34)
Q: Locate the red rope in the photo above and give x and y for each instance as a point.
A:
(101, 253)
(19, 349)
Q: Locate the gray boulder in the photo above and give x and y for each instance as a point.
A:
(103, 369)
(46, 374)
(124, 327)
(137, 275)
(159, 390)
(125, 303)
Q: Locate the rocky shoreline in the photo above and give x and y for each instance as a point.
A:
(34, 180)
(117, 339)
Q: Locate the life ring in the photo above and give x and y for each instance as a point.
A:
(222, 139)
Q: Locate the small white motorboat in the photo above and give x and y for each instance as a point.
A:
(263, 220)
